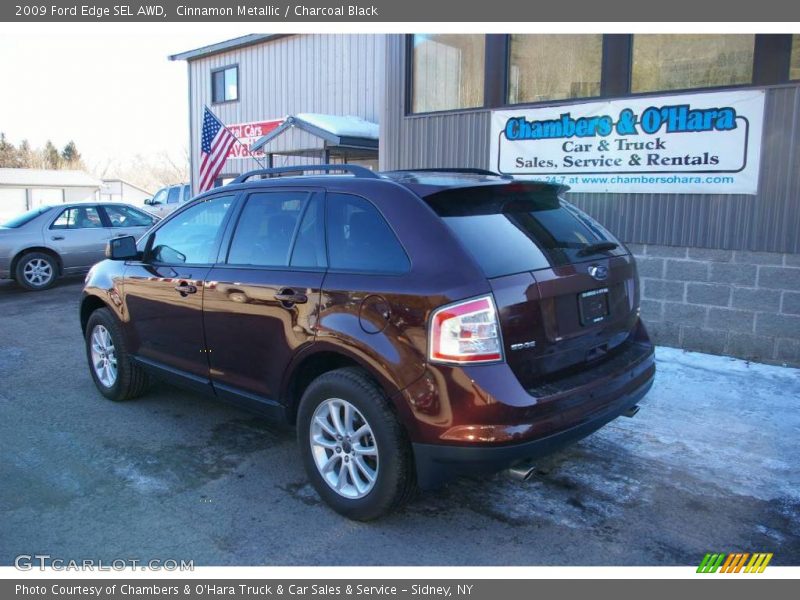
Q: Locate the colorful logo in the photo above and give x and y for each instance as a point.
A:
(735, 562)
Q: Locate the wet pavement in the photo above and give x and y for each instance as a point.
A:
(708, 464)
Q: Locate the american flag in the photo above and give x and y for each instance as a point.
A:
(215, 143)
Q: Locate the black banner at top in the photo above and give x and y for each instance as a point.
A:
(256, 11)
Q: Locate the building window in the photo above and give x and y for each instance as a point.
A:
(794, 65)
(554, 67)
(448, 71)
(680, 62)
(225, 85)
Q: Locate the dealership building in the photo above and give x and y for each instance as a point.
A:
(686, 147)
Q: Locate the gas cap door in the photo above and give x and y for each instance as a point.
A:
(374, 314)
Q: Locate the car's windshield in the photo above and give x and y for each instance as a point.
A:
(519, 227)
(24, 218)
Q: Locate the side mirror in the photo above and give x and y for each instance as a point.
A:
(148, 201)
(122, 248)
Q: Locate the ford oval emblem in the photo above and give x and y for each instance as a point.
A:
(599, 272)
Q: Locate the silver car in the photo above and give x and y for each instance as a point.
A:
(38, 246)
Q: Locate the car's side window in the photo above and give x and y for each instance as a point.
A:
(266, 229)
(125, 216)
(187, 193)
(160, 197)
(191, 236)
(309, 246)
(174, 195)
(359, 239)
(78, 217)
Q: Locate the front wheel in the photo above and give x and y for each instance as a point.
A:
(355, 452)
(114, 373)
(36, 271)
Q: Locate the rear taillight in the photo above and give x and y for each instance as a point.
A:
(466, 332)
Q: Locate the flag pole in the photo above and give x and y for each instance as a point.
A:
(238, 141)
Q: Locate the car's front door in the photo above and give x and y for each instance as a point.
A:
(163, 293)
(262, 299)
(157, 202)
(79, 235)
(125, 220)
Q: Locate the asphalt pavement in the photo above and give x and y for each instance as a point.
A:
(708, 465)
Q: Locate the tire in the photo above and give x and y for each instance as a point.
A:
(36, 271)
(129, 380)
(392, 465)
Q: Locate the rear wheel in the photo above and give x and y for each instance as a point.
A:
(36, 271)
(114, 373)
(354, 450)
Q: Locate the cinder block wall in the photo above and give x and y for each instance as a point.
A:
(744, 304)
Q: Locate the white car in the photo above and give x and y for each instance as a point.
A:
(168, 199)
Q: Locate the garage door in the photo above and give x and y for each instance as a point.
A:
(46, 196)
(12, 203)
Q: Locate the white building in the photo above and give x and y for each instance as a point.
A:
(24, 189)
(119, 190)
(304, 98)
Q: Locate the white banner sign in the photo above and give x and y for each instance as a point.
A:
(691, 143)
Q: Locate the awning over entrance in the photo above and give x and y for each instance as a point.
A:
(328, 136)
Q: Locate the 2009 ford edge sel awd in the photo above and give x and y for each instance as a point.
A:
(414, 325)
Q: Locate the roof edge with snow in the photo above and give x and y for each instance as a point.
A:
(227, 45)
(47, 178)
(336, 130)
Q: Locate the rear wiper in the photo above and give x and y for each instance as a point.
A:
(598, 247)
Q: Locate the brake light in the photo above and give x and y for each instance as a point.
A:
(466, 332)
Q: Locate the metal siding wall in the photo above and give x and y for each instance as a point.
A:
(769, 221)
(442, 140)
(334, 74)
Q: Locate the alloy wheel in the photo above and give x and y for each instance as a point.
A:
(104, 356)
(38, 272)
(344, 448)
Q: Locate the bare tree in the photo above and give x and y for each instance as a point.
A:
(148, 172)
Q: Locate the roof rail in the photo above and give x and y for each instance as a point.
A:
(356, 170)
(454, 170)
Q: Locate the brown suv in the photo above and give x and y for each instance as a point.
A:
(415, 325)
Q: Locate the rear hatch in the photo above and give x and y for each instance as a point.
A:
(566, 290)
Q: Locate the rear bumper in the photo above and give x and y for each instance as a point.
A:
(437, 463)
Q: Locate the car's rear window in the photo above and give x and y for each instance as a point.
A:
(24, 218)
(518, 227)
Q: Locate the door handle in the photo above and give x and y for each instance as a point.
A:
(57, 237)
(184, 289)
(288, 297)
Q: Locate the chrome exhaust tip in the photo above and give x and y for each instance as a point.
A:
(521, 472)
(631, 412)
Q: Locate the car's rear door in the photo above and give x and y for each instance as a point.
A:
(163, 293)
(262, 298)
(79, 235)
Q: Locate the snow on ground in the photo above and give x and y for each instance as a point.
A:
(708, 463)
(726, 419)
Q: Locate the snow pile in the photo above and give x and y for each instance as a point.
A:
(343, 126)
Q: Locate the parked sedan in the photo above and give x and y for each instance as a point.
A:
(38, 246)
